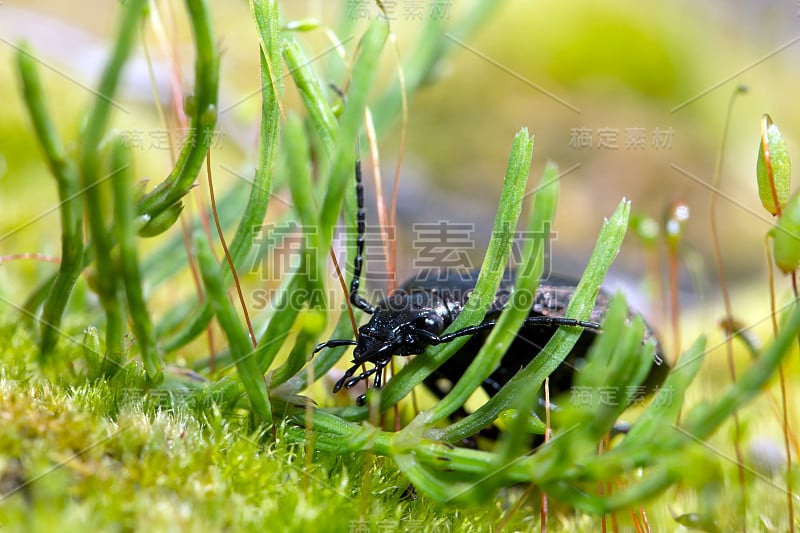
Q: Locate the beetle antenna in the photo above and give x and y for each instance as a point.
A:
(358, 262)
(361, 216)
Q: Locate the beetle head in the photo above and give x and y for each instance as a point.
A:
(401, 327)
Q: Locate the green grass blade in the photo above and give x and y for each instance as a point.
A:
(702, 420)
(341, 172)
(699, 423)
(312, 323)
(617, 359)
(302, 191)
(481, 298)
(71, 212)
(323, 361)
(161, 264)
(124, 214)
(637, 448)
(97, 120)
(235, 332)
(559, 346)
(519, 306)
(265, 14)
(281, 322)
(201, 108)
(312, 94)
(492, 269)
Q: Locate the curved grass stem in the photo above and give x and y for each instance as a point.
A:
(89, 155)
(240, 345)
(68, 179)
(202, 110)
(125, 230)
(267, 21)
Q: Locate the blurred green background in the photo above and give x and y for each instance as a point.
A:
(657, 73)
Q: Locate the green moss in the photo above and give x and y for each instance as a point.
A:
(68, 463)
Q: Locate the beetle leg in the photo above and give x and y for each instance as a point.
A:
(378, 371)
(362, 376)
(542, 320)
(348, 381)
(333, 343)
(470, 330)
(555, 321)
(347, 375)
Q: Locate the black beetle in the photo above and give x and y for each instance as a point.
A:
(415, 315)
